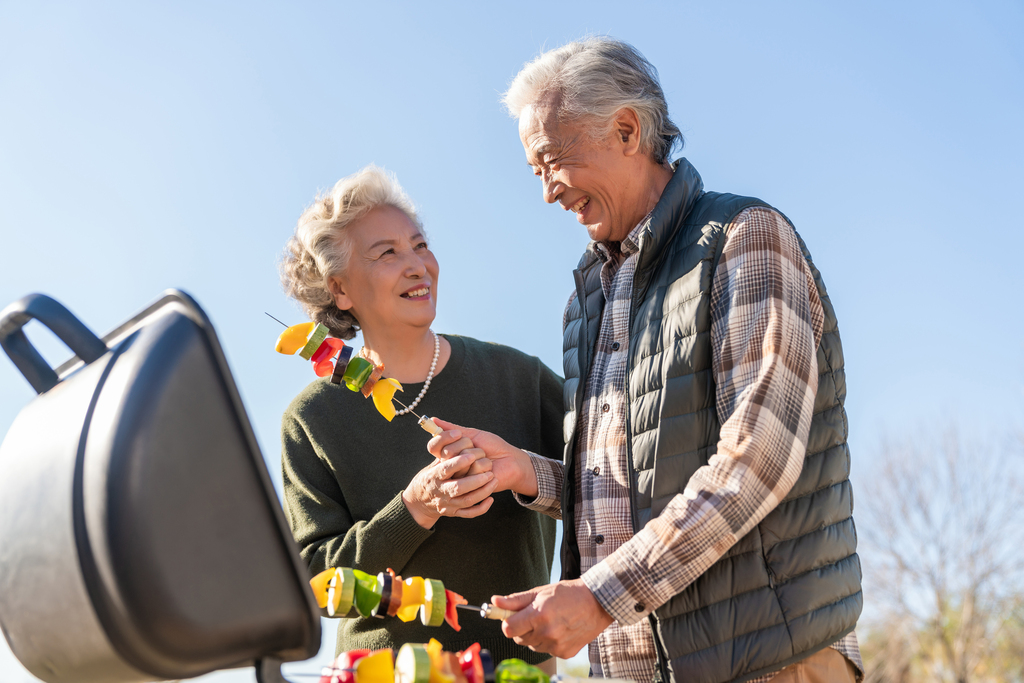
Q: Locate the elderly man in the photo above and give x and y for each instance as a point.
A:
(708, 513)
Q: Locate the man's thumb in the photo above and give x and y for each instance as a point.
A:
(514, 602)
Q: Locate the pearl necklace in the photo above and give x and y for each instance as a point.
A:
(430, 375)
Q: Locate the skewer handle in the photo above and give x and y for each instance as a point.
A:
(497, 613)
(428, 424)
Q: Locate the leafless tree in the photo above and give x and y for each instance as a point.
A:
(943, 525)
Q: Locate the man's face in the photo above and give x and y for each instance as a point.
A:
(590, 178)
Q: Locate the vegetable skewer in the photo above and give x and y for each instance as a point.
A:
(311, 341)
(341, 589)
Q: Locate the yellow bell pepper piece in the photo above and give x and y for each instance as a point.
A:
(439, 669)
(377, 667)
(383, 393)
(412, 598)
(294, 338)
(319, 585)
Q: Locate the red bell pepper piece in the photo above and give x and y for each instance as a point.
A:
(327, 349)
(347, 660)
(472, 665)
(451, 614)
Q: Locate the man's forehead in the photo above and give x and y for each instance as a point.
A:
(539, 128)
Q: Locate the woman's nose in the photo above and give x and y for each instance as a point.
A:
(415, 266)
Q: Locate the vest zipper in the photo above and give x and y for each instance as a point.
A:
(661, 657)
(568, 519)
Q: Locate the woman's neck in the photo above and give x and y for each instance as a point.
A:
(406, 357)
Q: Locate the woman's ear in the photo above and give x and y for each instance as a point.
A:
(627, 130)
(341, 299)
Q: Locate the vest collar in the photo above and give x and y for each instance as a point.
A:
(669, 214)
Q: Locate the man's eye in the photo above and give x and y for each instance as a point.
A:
(422, 245)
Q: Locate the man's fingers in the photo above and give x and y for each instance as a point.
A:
(457, 447)
(516, 601)
(436, 443)
(448, 426)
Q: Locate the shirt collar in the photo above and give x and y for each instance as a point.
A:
(627, 247)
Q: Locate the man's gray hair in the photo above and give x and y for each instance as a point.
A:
(593, 79)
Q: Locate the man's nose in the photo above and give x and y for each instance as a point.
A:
(551, 188)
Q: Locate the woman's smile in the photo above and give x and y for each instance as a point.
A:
(420, 292)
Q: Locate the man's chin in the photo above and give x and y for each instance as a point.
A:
(597, 232)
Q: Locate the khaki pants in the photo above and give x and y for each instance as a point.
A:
(824, 666)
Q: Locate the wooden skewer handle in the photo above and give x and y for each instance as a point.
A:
(496, 613)
(428, 424)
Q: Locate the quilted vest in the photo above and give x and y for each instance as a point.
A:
(792, 585)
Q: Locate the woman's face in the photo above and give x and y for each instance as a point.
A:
(391, 277)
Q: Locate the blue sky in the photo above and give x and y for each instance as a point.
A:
(148, 147)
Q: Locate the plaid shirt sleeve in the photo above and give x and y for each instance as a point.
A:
(549, 486)
(550, 473)
(766, 325)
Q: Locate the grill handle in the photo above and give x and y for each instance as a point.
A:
(59, 320)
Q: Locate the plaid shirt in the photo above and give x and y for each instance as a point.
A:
(763, 340)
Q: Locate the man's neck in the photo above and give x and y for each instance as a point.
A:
(651, 181)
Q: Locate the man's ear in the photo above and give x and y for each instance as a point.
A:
(627, 131)
(337, 288)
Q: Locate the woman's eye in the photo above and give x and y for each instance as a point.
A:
(422, 245)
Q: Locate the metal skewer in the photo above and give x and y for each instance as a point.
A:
(273, 318)
(488, 611)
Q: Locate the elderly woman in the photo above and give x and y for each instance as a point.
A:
(360, 492)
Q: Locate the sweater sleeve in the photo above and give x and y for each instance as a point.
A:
(321, 522)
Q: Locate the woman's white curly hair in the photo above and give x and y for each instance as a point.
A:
(320, 248)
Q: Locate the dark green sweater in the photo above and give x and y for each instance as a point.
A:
(345, 468)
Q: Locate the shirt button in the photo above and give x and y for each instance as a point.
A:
(639, 607)
(605, 408)
(615, 346)
(599, 539)
(597, 470)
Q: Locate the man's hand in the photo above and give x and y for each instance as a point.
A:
(511, 466)
(560, 618)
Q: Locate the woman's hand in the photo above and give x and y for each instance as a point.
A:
(438, 490)
(512, 467)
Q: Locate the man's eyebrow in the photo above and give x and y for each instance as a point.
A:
(538, 153)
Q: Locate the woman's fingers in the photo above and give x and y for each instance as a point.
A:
(457, 467)
(476, 510)
(465, 493)
(471, 496)
(482, 465)
(455, 489)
